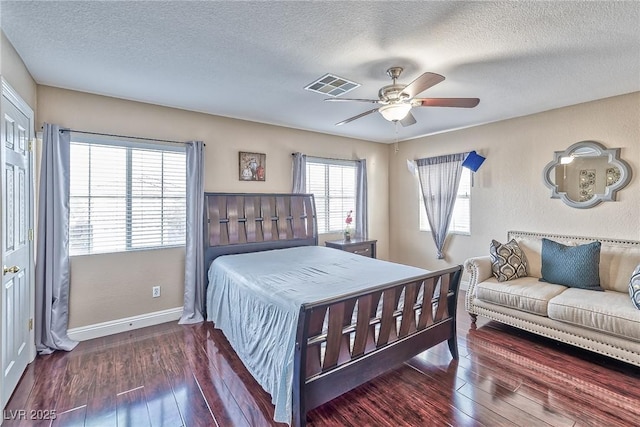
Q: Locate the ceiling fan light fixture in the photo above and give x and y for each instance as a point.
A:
(395, 112)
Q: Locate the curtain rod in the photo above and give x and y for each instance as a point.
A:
(122, 136)
(331, 158)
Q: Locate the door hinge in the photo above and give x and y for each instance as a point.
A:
(31, 144)
(31, 234)
(31, 323)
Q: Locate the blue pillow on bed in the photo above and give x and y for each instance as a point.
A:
(573, 266)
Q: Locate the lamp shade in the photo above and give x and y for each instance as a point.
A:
(473, 161)
(395, 112)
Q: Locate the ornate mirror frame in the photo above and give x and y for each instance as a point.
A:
(599, 150)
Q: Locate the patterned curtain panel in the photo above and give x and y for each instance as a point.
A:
(299, 173)
(194, 274)
(52, 258)
(439, 181)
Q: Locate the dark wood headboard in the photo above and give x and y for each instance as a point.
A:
(250, 222)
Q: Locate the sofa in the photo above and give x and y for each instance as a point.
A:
(603, 322)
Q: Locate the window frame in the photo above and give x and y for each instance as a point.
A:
(129, 144)
(423, 222)
(326, 196)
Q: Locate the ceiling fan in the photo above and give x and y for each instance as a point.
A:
(397, 100)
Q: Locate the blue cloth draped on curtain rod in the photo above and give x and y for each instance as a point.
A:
(439, 181)
(52, 258)
(195, 270)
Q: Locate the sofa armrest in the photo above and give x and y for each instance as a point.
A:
(479, 270)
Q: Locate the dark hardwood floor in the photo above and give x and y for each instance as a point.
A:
(172, 375)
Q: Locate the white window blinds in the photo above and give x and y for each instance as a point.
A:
(461, 217)
(126, 196)
(333, 184)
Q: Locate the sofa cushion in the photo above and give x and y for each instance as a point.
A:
(617, 261)
(610, 311)
(507, 260)
(634, 287)
(526, 294)
(532, 248)
(573, 266)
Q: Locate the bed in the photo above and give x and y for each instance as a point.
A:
(311, 323)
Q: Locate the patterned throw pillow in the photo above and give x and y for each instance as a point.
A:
(573, 266)
(634, 287)
(508, 262)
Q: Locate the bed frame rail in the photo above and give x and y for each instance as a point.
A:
(392, 324)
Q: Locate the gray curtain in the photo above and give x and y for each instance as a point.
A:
(362, 226)
(439, 180)
(194, 274)
(52, 257)
(299, 173)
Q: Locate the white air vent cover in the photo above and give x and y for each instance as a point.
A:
(331, 85)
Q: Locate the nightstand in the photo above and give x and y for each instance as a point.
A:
(358, 246)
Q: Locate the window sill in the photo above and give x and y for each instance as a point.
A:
(157, 248)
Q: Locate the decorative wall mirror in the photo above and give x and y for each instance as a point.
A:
(586, 174)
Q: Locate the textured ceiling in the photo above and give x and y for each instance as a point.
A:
(251, 60)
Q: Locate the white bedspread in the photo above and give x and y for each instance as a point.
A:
(255, 300)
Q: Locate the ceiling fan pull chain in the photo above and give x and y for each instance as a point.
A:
(396, 148)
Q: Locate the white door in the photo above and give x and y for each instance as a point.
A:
(16, 236)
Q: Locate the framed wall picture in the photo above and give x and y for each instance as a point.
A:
(253, 166)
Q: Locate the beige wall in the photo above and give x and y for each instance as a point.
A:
(113, 286)
(508, 192)
(15, 72)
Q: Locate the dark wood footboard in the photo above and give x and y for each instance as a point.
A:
(352, 350)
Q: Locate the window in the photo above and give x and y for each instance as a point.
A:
(125, 196)
(333, 184)
(461, 218)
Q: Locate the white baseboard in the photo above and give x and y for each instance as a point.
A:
(111, 327)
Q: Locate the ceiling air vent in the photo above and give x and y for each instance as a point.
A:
(331, 85)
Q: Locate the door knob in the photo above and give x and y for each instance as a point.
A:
(13, 269)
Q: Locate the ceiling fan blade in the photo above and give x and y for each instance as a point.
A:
(373, 101)
(366, 113)
(448, 102)
(408, 120)
(422, 83)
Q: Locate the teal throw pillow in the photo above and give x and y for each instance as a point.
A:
(634, 287)
(573, 266)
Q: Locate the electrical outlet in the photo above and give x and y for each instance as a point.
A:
(155, 291)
